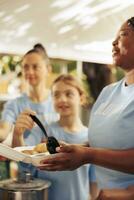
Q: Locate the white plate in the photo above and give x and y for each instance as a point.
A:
(22, 148)
(34, 159)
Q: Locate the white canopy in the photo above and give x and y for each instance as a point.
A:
(69, 29)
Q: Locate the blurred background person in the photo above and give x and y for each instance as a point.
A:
(36, 96)
(35, 69)
(68, 96)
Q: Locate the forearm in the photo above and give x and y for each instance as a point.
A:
(23, 123)
(131, 190)
(114, 194)
(84, 144)
(5, 129)
(3, 135)
(93, 190)
(18, 140)
(121, 160)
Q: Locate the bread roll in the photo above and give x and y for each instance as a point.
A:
(40, 148)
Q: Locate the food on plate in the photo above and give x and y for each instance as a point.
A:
(39, 148)
(30, 152)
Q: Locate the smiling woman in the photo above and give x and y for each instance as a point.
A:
(123, 48)
(111, 125)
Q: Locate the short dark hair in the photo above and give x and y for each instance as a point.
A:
(130, 22)
(40, 47)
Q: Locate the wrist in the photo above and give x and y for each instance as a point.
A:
(18, 140)
(88, 155)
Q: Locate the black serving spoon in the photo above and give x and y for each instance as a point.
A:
(51, 143)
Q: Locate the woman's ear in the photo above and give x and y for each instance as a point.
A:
(84, 101)
(81, 100)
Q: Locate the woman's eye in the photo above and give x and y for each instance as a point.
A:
(36, 67)
(25, 67)
(69, 94)
(56, 95)
(123, 34)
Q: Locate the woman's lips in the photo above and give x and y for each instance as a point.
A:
(63, 107)
(115, 52)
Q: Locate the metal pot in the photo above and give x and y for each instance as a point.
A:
(25, 188)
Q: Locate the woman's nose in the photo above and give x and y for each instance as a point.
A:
(30, 70)
(115, 42)
(62, 98)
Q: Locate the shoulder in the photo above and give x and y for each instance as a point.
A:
(23, 97)
(111, 87)
(15, 104)
(106, 92)
(12, 108)
(14, 101)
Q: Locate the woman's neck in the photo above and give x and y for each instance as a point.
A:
(38, 93)
(129, 77)
(71, 123)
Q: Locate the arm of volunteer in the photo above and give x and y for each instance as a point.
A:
(71, 157)
(121, 160)
(23, 123)
(18, 139)
(114, 194)
(5, 129)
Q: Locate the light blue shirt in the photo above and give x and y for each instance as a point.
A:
(112, 126)
(67, 185)
(72, 185)
(44, 110)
